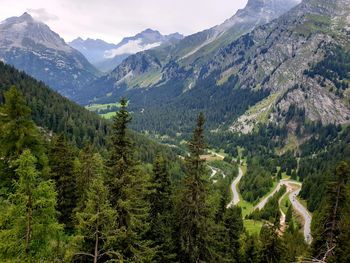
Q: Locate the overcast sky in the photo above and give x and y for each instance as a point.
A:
(111, 20)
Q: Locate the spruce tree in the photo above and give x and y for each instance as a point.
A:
(161, 212)
(95, 231)
(234, 226)
(87, 167)
(128, 184)
(329, 219)
(194, 211)
(61, 163)
(271, 245)
(17, 133)
(293, 243)
(28, 224)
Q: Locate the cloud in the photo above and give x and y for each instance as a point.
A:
(112, 20)
(132, 47)
(42, 14)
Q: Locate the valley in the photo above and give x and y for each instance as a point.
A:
(225, 145)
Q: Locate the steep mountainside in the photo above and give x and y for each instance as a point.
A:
(31, 46)
(184, 59)
(276, 72)
(107, 56)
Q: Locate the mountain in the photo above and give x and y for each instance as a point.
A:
(93, 49)
(157, 66)
(32, 46)
(291, 68)
(106, 56)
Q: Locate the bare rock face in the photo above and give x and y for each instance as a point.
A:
(275, 57)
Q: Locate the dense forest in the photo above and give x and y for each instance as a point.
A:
(77, 188)
(63, 202)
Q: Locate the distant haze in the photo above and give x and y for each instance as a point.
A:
(111, 20)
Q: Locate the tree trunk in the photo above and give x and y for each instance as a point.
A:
(96, 247)
(29, 223)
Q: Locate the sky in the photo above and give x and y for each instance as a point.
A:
(111, 20)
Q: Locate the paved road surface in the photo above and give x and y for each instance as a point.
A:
(234, 187)
(304, 213)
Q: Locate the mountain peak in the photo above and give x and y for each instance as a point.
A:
(23, 30)
(149, 30)
(26, 17)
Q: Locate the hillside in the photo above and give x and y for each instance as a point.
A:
(56, 114)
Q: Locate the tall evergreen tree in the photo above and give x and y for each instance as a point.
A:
(161, 212)
(87, 167)
(193, 211)
(61, 163)
(129, 192)
(328, 221)
(294, 244)
(234, 225)
(271, 245)
(17, 133)
(28, 224)
(96, 226)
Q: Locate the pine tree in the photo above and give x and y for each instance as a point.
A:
(28, 225)
(61, 163)
(234, 225)
(161, 212)
(87, 167)
(193, 210)
(289, 214)
(17, 133)
(293, 243)
(272, 247)
(96, 226)
(128, 184)
(328, 221)
(250, 249)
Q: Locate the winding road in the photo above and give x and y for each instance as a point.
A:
(234, 186)
(300, 209)
(282, 182)
(293, 189)
(304, 213)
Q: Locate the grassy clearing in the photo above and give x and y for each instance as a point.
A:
(247, 208)
(108, 115)
(97, 107)
(253, 227)
(211, 157)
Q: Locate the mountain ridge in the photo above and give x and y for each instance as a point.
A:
(32, 46)
(106, 56)
(189, 54)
